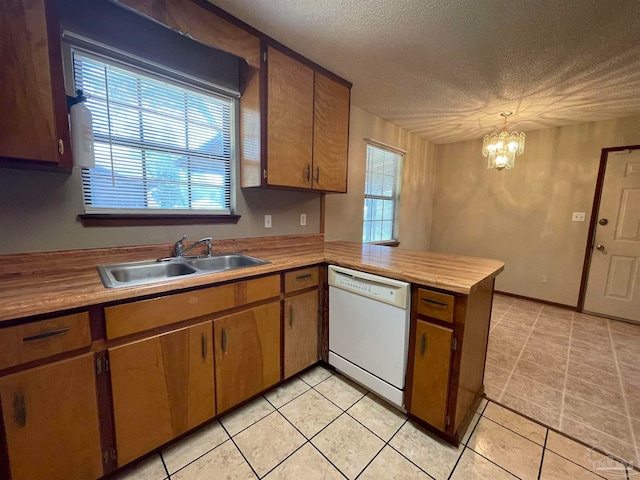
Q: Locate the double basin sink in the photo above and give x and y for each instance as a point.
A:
(152, 271)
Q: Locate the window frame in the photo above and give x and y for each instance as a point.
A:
(149, 217)
(395, 197)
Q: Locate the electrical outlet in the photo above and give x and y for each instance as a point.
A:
(545, 279)
(578, 217)
(303, 219)
(267, 221)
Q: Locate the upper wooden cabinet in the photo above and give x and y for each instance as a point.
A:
(34, 123)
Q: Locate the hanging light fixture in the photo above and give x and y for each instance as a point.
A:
(502, 148)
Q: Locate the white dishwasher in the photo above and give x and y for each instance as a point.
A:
(369, 330)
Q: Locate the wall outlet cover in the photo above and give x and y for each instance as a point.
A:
(578, 217)
(303, 219)
(267, 221)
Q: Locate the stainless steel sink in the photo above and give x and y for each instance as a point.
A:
(152, 271)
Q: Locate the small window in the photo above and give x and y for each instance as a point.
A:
(381, 194)
(161, 146)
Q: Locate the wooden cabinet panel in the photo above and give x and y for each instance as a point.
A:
(162, 387)
(247, 349)
(435, 305)
(135, 317)
(50, 417)
(301, 279)
(289, 121)
(431, 368)
(300, 332)
(33, 101)
(330, 134)
(44, 338)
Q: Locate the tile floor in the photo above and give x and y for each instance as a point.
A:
(321, 426)
(576, 373)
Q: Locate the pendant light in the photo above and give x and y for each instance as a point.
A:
(502, 148)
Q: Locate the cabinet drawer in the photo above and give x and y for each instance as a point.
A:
(301, 279)
(435, 305)
(32, 341)
(136, 317)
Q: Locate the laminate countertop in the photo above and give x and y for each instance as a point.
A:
(42, 283)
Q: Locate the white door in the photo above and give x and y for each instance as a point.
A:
(613, 286)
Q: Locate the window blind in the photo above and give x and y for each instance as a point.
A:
(161, 146)
(380, 196)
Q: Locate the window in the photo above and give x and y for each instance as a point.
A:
(162, 147)
(381, 193)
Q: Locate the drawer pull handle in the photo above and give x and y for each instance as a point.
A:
(204, 346)
(40, 336)
(423, 343)
(20, 409)
(435, 302)
(308, 169)
(302, 277)
(224, 340)
(291, 316)
(317, 174)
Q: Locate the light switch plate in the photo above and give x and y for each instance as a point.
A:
(267, 221)
(578, 217)
(303, 219)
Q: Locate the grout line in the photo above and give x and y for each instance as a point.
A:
(288, 401)
(566, 372)
(166, 469)
(519, 356)
(501, 317)
(544, 449)
(241, 408)
(512, 431)
(238, 448)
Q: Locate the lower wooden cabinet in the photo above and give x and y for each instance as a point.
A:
(247, 351)
(431, 372)
(162, 387)
(300, 332)
(50, 417)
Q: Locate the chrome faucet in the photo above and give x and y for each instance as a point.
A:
(180, 250)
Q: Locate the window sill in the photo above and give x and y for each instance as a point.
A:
(133, 220)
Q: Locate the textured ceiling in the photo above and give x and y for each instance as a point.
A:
(445, 69)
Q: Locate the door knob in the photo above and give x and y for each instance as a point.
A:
(603, 221)
(600, 248)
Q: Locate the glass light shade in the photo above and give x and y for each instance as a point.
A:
(501, 149)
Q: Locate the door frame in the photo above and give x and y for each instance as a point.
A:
(594, 218)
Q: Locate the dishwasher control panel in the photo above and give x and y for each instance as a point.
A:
(386, 290)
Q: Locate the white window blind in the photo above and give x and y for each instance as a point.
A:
(380, 194)
(161, 146)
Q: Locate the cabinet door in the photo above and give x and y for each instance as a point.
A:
(33, 101)
(330, 134)
(50, 417)
(162, 387)
(432, 360)
(300, 332)
(289, 121)
(247, 346)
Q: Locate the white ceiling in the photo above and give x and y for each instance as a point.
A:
(445, 69)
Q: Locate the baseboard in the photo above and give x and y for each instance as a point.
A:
(546, 302)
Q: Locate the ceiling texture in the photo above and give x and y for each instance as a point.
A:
(445, 69)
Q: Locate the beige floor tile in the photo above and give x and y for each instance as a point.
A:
(223, 463)
(496, 376)
(633, 404)
(378, 416)
(246, 415)
(595, 338)
(512, 452)
(472, 424)
(528, 429)
(604, 442)
(474, 467)
(306, 463)
(541, 373)
(315, 375)
(557, 337)
(493, 392)
(627, 353)
(590, 323)
(553, 349)
(541, 356)
(150, 469)
(433, 455)
(536, 392)
(624, 329)
(483, 404)
(310, 412)
(605, 397)
(500, 359)
(390, 465)
(583, 348)
(268, 442)
(555, 467)
(348, 445)
(518, 318)
(584, 456)
(544, 415)
(598, 418)
(194, 446)
(508, 334)
(631, 379)
(341, 391)
(508, 347)
(555, 312)
(286, 392)
(591, 372)
(604, 365)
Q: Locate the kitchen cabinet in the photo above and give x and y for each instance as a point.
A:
(247, 353)
(51, 424)
(34, 123)
(162, 386)
(300, 332)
